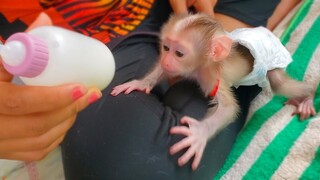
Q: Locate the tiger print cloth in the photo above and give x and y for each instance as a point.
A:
(100, 19)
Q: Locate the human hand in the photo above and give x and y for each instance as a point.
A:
(197, 135)
(181, 6)
(34, 120)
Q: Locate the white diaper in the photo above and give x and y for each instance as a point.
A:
(267, 50)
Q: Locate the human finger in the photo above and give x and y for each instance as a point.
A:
(179, 6)
(19, 100)
(38, 142)
(31, 155)
(37, 124)
(204, 6)
(42, 20)
(4, 75)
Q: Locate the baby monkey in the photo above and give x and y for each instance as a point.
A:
(197, 47)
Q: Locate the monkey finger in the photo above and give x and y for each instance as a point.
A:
(187, 156)
(129, 90)
(313, 111)
(310, 107)
(188, 120)
(184, 143)
(114, 92)
(183, 130)
(197, 158)
(300, 108)
(147, 90)
(302, 111)
(118, 89)
(306, 111)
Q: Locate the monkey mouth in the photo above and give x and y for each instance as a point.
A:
(171, 73)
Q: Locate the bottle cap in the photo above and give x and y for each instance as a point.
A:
(34, 55)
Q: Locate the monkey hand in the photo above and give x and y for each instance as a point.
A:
(130, 86)
(197, 134)
(305, 107)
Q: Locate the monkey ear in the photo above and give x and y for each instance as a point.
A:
(221, 47)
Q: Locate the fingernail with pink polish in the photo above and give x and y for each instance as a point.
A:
(77, 93)
(93, 98)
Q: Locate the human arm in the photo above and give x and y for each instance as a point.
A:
(283, 8)
(182, 6)
(206, 6)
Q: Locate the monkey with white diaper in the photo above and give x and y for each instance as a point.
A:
(197, 47)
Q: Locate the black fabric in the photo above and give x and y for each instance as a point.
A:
(158, 14)
(10, 27)
(252, 12)
(126, 137)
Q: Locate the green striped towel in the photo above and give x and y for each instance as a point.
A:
(273, 144)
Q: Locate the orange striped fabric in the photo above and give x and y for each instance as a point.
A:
(101, 19)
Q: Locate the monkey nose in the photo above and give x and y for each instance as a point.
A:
(165, 64)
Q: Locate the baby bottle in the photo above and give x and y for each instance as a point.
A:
(50, 55)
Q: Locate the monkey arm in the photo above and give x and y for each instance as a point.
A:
(154, 76)
(282, 84)
(301, 94)
(224, 114)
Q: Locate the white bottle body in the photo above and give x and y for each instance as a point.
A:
(73, 58)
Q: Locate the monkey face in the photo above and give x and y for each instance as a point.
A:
(177, 57)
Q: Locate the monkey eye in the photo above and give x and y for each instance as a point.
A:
(165, 48)
(179, 54)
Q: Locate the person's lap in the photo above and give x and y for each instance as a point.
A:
(127, 137)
